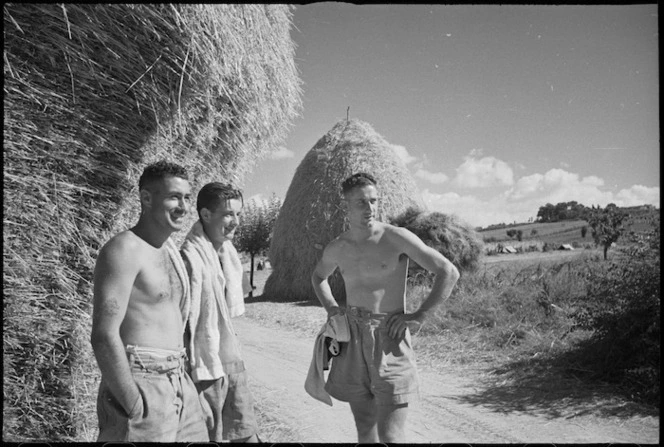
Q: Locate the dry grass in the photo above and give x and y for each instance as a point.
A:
(311, 215)
(92, 93)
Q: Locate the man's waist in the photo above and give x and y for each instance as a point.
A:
(360, 313)
(156, 359)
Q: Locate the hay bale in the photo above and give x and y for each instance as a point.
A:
(457, 240)
(311, 215)
(93, 93)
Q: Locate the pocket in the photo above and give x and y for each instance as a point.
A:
(109, 410)
(138, 409)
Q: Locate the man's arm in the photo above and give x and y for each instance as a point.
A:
(113, 280)
(446, 276)
(324, 268)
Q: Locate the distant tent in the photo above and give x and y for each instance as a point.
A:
(565, 247)
(508, 249)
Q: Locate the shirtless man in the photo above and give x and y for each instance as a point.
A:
(137, 328)
(375, 371)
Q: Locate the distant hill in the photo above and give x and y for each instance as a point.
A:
(568, 231)
(552, 232)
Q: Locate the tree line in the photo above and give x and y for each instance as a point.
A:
(562, 211)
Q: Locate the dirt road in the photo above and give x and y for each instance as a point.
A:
(448, 411)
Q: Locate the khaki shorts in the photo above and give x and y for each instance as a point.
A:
(228, 406)
(372, 365)
(168, 409)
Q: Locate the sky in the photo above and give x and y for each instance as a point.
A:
(495, 110)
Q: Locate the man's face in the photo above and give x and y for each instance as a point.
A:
(220, 224)
(362, 205)
(169, 201)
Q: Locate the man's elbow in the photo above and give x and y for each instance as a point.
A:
(449, 272)
(316, 279)
(99, 340)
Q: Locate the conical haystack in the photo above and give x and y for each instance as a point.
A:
(311, 215)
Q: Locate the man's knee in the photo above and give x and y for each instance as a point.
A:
(391, 421)
(365, 414)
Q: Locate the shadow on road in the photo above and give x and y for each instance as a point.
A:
(556, 387)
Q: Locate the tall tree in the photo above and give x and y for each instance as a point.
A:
(546, 213)
(256, 229)
(606, 225)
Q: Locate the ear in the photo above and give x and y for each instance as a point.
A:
(146, 198)
(205, 215)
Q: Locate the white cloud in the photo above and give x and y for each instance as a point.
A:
(558, 185)
(432, 177)
(281, 153)
(483, 172)
(531, 192)
(638, 195)
(403, 154)
(476, 211)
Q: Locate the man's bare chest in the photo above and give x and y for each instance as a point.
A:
(369, 260)
(158, 280)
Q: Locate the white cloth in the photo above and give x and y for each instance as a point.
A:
(213, 343)
(336, 327)
(232, 268)
(181, 270)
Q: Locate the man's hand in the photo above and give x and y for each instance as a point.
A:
(398, 322)
(334, 310)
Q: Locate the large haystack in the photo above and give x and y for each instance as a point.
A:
(311, 215)
(92, 93)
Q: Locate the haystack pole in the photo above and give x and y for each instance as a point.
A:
(311, 214)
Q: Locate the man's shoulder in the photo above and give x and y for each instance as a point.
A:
(126, 241)
(400, 236)
(394, 231)
(338, 241)
(336, 245)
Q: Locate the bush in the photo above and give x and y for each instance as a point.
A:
(623, 309)
(449, 235)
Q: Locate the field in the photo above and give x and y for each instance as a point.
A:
(567, 232)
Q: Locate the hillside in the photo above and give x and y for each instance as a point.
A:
(565, 232)
(569, 231)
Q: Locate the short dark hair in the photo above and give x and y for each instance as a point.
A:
(357, 181)
(160, 170)
(212, 194)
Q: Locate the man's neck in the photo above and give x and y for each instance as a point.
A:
(219, 247)
(150, 234)
(362, 232)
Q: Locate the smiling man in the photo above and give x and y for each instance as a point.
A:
(139, 281)
(215, 358)
(375, 371)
